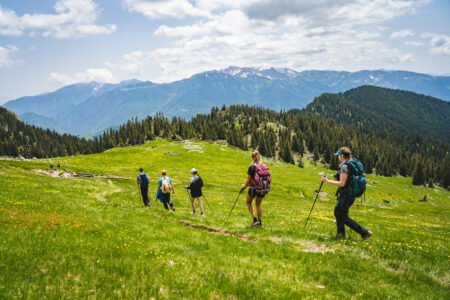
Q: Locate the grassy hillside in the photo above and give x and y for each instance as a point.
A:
(86, 237)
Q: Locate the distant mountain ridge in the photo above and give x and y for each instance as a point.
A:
(386, 110)
(89, 108)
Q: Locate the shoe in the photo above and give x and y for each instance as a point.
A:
(339, 237)
(255, 222)
(173, 209)
(201, 213)
(259, 223)
(367, 235)
(193, 212)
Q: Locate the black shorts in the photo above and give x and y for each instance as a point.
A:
(254, 193)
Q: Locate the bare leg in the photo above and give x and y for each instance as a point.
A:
(250, 206)
(192, 204)
(258, 208)
(200, 203)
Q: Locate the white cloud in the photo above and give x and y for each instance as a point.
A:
(100, 75)
(413, 44)
(439, 43)
(155, 9)
(73, 18)
(306, 34)
(6, 61)
(402, 34)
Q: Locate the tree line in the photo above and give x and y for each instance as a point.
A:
(294, 136)
(291, 136)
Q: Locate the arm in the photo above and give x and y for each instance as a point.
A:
(247, 183)
(341, 183)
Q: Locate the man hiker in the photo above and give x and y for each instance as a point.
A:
(195, 188)
(165, 186)
(143, 180)
(58, 165)
(345, 195)
(259, 181)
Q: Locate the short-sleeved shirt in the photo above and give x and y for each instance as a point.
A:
(343, 169)
(251, 171)
(160, 180)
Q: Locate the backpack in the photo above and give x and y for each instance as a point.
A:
(165, 185)
(144, 179)
(262, 179)
(358, 180)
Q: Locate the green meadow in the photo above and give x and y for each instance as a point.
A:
(65, 238)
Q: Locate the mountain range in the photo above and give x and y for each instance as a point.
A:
(89, 108)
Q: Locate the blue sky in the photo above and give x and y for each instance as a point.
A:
(50, 43)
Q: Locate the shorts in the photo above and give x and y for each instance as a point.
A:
(254, 193)
(165, 197)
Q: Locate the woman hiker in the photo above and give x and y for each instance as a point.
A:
(195, 188)
(258, 178)
(345, 196)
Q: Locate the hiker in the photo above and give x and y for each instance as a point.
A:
(259, 181)
(143, 180)
(195, 188)
(165, 186)
(345, 195)
(58, 165)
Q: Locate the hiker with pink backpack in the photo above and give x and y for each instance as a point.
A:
(258, 180)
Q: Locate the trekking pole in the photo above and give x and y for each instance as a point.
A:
(234, 204)
(317, 195)
(207, 203)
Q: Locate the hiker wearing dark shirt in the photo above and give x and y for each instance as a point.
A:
(345, 197)
(143, 181)
(258, 179)
(195, 188)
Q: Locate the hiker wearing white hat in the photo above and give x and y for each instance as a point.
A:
(195, 189)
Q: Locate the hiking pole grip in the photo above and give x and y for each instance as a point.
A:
(240, 192)
(317, 195)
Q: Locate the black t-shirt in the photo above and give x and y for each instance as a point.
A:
(251, 171)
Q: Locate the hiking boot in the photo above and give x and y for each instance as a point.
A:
(367, 235)
(201, 213)
(193, 212)
(255, 222)
(260, 223)
(339, 237)
(173, 208)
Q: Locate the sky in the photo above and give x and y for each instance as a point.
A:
(47, 44)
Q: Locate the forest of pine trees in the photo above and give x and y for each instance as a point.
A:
(287, 136)
(17, 138)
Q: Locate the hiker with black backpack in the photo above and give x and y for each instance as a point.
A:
(165, 186)
(350, 181)
(143, 180)
(258, 180)
(195, 189)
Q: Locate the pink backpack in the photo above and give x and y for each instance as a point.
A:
(262, 179)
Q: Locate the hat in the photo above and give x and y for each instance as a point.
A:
(343, 150)
(193, 171)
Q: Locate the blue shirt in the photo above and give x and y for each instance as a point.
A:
(160, 180)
